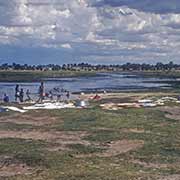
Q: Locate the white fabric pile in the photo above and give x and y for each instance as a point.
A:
(12, 108)
(50, 106)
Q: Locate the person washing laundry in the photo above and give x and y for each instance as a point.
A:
(17, 92)
(41, 92)
(6, 98)
(68, 94)
(21, 95)
(28, 95)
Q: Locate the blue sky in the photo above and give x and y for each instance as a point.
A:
(94, 31)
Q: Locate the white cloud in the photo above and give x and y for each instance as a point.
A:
(75, 24)
(67, 46)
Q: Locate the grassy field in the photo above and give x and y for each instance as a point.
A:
(34, 76)
(86, 144)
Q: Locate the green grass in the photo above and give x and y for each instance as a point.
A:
(16, 127)
(80, 148)
(90, 119)
(26, 151)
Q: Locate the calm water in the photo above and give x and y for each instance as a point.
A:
(102, 82)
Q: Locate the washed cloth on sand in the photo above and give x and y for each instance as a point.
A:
(12, 108)
(145, 101)
(81, 103)
(50, 106)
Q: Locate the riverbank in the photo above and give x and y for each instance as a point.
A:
(83, 82)
(173, 77)
(37, 76)
(92, 143)
(158, 74)
(34, 76)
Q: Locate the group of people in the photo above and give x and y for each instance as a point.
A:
(19, 94)
(60, 93)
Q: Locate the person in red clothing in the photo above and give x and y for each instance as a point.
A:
(96, 97)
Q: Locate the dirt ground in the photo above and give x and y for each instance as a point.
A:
(65, 138)
(150, 165)
(119, 147)
(15, 169)
(10, 167)
(134, 130)
(62, 138)
(28, 119)
(58, 141)
(171, 112)
(172, 177)
(115, 148)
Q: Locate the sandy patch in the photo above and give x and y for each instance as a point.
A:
(171, 177)
(105, 129)
(42, 135)
(28, 119)
(119, 106)
(115, 148)
(10, 167)
(119, 99)
(134, 130)
(15, 169)
(60, 138)
(172, 112)
(161, 124)
(119, 147)
(150, 165)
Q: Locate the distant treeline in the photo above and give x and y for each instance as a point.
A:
(90, 67)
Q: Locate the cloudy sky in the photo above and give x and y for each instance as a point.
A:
(94, 31)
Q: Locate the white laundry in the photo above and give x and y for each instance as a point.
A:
(12, 108)
(145, 101)
(50, 106)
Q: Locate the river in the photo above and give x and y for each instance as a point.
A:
(113, 82)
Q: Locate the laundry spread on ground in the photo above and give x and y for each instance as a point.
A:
(50, 106)
(140, 103)
(12, 108)
(47, 106)
(118, 106)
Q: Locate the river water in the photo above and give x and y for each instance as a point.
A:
(113, 82)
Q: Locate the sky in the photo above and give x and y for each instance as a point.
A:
(93, 31)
